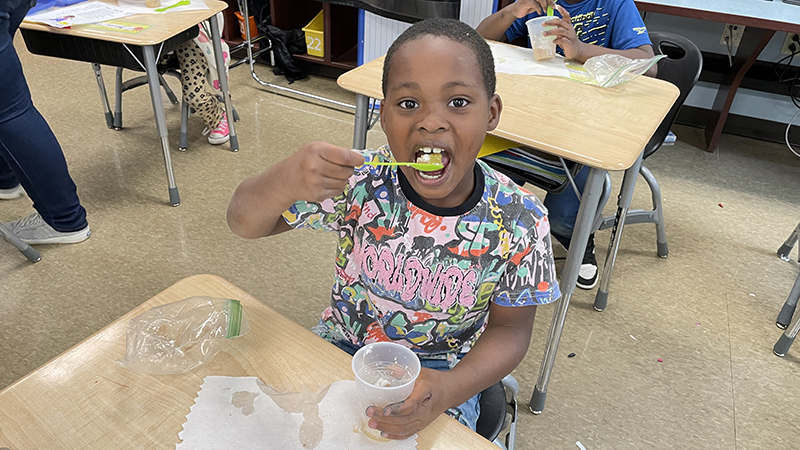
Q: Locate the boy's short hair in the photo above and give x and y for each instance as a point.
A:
(456, 31)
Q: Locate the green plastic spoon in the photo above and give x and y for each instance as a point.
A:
(422, 167)
(180, 3)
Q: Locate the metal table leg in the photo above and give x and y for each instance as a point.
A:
(623, 204)
(787, 338)
(787, 246)
(583, 228)
(29, 252)
(223, 81)
(98, 74)
(161, 123)
(361, 126)
(183, 142)
(118, 100)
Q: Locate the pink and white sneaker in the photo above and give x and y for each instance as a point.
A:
(220, 135)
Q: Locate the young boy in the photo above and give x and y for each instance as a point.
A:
(450, 263)
(586, 28)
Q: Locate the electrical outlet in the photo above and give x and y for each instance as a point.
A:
(733, 32)
(791, 38)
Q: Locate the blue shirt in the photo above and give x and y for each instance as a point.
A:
(614, 24)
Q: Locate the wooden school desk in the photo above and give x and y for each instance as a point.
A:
(82, 400)
(762, 19)
(605, 129)
(91, 44)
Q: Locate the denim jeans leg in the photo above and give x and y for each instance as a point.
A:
(30, 149)
(563, 209)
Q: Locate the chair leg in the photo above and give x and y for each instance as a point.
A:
(29, 252)
(787, 246)
(184, 138)
(511, 385)
(787, 338)
(787, 311)
(171, 95)
(98, 74)
(118, 100)
(658, 211)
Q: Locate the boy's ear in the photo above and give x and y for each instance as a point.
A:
(495, 107)
(381, 115)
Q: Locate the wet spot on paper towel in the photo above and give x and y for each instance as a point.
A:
(244, 400)
(305, 402)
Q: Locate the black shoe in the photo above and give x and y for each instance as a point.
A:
(587, 275)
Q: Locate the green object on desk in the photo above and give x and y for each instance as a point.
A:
(422, 167)
(180, 3)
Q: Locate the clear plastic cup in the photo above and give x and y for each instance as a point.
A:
(543, 46)
(385, 374)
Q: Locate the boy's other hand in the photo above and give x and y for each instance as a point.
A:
(322, 170)
(565, 34)
(423, 406)
(524, 7)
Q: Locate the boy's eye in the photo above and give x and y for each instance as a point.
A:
(458, 102)
(408, 104)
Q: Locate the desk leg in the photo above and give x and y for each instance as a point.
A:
(161, 122)
(118, 100)
(223, 81)
(98, 74)
(623, 204)
(580, 236)
(361, 126)
(753, 42)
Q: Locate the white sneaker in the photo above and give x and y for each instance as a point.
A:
(34, 230)
(11, 194)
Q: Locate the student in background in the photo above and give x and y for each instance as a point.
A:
(30, 156)
(583, 28)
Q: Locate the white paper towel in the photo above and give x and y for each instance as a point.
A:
(520, 61)
(244, 413)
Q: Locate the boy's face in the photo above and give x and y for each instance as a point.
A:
(436, 102)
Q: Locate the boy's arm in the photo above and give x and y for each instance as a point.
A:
(575, 49)
(494, 27)
(497, 352)
(316, 172)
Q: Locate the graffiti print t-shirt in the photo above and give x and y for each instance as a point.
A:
(612, 24)
(422, 276)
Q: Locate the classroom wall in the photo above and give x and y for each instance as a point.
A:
(706, 35)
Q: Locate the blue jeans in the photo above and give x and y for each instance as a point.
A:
(563, 209)
(29, 152)
(467, 413)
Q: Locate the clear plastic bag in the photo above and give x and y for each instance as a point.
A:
(611, 70)
(179, 336)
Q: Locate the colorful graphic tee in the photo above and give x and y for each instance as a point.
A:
(423, 276)
(606, 23)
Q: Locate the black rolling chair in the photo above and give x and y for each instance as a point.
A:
(681, 67)
(498, 412)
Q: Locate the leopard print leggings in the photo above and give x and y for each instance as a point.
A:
(196, 90)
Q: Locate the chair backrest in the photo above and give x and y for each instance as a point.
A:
(681, 67)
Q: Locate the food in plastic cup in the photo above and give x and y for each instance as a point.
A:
(385, 374)
(543, 46)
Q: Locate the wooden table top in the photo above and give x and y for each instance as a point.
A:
(599, 127)
(162, 26)
(82, 400)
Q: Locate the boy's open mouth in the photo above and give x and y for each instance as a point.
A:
(432, 155)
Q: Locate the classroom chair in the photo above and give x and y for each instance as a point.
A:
(787, 311)
(29, 252)
(681, 67)
(498, 412)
